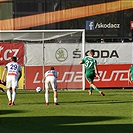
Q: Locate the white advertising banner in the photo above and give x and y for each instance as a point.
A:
(62, 54)
(70, 54)
(33, 54)
(48, 54)
(111, 53)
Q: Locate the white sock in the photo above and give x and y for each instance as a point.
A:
(13, 96)
(9, 95)
(55, 100)
(46, 97)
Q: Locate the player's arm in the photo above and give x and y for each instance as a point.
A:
(56, 74)
(82, 61)
(20, 75)
(3, 75)
(96, 71)
(44, 76)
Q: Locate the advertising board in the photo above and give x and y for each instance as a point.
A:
(70, 77)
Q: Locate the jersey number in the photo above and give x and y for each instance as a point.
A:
(13, 67)
(88, 63)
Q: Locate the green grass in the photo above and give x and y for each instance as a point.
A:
(77, 113)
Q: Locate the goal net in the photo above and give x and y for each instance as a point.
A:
(38, 50)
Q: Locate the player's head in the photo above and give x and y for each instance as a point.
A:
(92, 52)
(52, 68)
(14, 59)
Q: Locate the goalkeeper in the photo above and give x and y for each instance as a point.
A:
(91, 71)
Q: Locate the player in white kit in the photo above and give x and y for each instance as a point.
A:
(14, 73)
(50, 77)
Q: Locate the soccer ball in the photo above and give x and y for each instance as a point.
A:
(38, 89)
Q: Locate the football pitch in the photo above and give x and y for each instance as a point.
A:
(77, 112)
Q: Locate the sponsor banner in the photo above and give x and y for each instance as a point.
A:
(34, 55)
(111, 53)
(7, 50)
(70, 77)
(21, 81)
(52, 54)
(92, 25)
(71, 54)
(112, 76)
(33, 77)
(63, 54)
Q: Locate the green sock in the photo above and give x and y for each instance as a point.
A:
(95, 88)
(91, 89)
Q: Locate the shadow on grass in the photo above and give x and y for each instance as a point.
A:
(62, 124)
(4, 112)
(98, 101)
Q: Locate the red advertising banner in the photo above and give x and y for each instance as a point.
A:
(7, 50)
(112, 76)
(70, 77)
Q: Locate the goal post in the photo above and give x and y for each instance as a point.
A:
(37, 50)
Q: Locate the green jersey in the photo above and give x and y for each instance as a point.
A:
(131, 69)
(89, 63)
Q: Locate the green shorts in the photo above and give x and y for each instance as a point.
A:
(90, 75)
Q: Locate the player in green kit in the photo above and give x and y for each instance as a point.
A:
(130, 74)
(91, 71)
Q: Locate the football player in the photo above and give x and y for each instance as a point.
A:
(91, 71)
(14, 73)
(50, 77)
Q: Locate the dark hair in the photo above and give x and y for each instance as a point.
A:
(52, 68)
(14, 59)
(92, 51)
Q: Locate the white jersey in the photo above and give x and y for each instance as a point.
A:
(50, 77)
(51, 73)
(13, 69)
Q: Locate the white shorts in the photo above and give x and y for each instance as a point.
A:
(52, 81)
(12, 81)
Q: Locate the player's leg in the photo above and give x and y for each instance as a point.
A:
(90, 77)
(8, 85)
(90, 91)
(46, 91)
(14, 87)
(96, 89)
(55, 97)
(9, 96)
(13, 96)
(54, 86)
